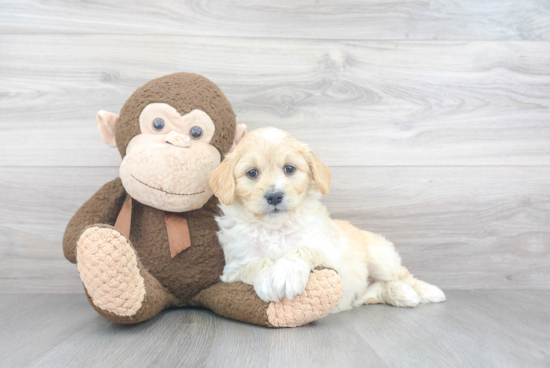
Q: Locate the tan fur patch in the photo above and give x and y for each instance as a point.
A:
(372, 301)
(322, 295)
(109, 270)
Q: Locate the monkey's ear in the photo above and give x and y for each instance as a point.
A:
(106, 123)
(222, 181)
(240, 132)
(320, 172)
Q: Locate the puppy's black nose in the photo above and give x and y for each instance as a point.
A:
(274, 197)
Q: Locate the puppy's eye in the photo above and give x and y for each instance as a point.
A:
(195, 132)
(159, 124)
(252, 174)
(289, 170)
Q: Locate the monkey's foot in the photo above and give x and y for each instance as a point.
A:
(323, 293)
(109, 269)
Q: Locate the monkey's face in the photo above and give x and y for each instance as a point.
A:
(168, 165)
(171, 133)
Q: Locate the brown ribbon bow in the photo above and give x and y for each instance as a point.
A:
(177, 227)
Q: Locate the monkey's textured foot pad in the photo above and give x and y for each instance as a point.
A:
(323, 293)
(109, 269)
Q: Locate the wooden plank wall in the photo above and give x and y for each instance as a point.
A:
(434, 117)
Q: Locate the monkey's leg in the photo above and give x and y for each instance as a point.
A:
(117, 285)
(102, 208)
(238, 301)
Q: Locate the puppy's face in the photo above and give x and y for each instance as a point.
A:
(270, 174)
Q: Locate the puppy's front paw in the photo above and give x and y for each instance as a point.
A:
(323, 293)
(288, 278)
(264, 289)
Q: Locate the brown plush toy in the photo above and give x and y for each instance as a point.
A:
(147, 241)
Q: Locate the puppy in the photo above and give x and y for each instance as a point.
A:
(275, 231)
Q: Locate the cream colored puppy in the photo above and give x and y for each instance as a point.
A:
(274, 229)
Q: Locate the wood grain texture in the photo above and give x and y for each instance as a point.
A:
(372, 103)
(433, 115)
(327, 19)
(33, 324)
(456, 227)
(472, 329)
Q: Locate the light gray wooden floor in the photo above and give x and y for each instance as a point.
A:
(472, 329)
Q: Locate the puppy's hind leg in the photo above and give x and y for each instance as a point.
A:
(428, 293)
(384, 265)
(394, 293)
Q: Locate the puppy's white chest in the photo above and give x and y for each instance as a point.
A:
(274, 243)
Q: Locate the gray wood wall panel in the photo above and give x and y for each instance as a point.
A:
(332, 19)
(433, 116)
(374, 103)
(458, 227)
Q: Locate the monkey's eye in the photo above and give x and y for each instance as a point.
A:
(252, 174)
(159, 124)
(289, 170)
(195, 132)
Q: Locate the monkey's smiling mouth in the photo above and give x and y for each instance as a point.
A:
(160, 190)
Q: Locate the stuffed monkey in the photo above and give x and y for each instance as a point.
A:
(147, 240)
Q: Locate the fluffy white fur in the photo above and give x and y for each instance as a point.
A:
(275, 247)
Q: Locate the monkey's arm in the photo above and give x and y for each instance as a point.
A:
(102, 208)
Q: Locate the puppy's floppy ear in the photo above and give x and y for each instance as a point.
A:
(319, 171)
(222, 181)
